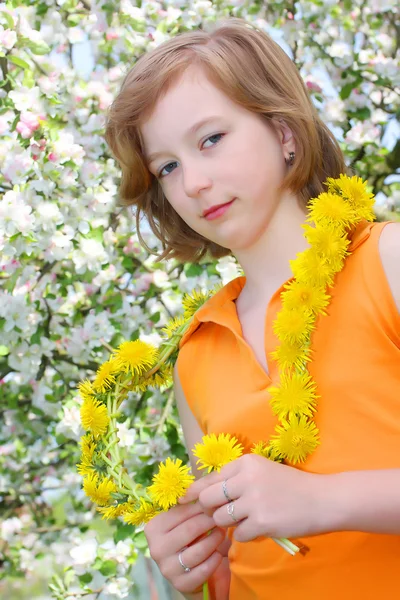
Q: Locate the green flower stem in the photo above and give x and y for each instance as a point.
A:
(110, 445)
(205, 590)
(287, 545)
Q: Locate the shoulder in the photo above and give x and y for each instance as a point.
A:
(389, 250)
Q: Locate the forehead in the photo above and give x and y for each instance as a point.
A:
(191, 98)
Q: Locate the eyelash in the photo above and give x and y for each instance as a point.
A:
(171, 163)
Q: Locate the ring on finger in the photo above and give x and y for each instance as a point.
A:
(226, 491)
(184, 567)
(231, 510)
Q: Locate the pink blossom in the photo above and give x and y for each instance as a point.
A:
(111, 35)
(314, 87)
(37, 148)
(28, 124)
(52, 157)
(7, 38)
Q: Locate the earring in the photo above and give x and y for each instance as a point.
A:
(289, 161)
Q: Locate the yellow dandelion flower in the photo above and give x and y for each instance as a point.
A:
(141, 514)
(329, 242)
(85, 467)
(294, 326)
(308, 296)
(289, 354)
(161, 378)
(332, 209)
(112, 512)
(135, 357)
(88, 445)
(354, 189)
(294, 395)
(296, 438)
(260, 448)
(173, 325)
(216, 451)
(86, 389)
(98, 491)
(94, 416)
(170, 483)
(312, 269)
(192, 303)
(105, 376)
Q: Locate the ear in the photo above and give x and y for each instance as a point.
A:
(285, 135)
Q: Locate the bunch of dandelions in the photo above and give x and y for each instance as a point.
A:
(214, 452)
(132, 367)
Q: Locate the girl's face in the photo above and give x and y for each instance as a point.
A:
(235, 156)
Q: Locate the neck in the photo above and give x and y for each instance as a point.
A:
(266, 262)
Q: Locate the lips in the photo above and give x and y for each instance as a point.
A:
(215, 207)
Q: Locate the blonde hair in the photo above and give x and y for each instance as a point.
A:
(244, 63)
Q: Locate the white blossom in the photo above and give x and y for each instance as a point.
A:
(9, 528)
(8, 38)
(126, 436)
(118, 587)
(85, 552)
(70, 424)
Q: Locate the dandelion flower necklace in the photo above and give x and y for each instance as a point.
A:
(333, 214)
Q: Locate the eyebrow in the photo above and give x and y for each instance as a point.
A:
(191, 131)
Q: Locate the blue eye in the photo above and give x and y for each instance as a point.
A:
(216, 135)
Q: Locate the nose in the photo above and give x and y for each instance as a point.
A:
(195, 179)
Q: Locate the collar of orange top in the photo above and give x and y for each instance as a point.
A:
(221, 308)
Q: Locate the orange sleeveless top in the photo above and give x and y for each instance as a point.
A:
(356, 365)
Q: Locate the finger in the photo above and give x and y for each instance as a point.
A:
(186, 533)
(204, 482)
(230, 514)
(194, 555)
(188, 582)
(245, 531)
(213, 496)
(168, 520)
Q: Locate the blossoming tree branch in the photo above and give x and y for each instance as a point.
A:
(76, 285)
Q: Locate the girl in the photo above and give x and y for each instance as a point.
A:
(221, 149)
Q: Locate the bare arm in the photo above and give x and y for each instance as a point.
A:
(389, 249)
(193, 435)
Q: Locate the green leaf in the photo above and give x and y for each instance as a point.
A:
(346, 90)
(127, 263)
(18, 61)
(85, 578)
(12, 129)
(362, 113)
(124, 531)
(95, 233)
(73, 20)
(193, 270)
(38, 48)
(140, 540)
(109, 567)
(4, 350)
(37, 336)
(155, 317)
(42, 9)
(8, 18)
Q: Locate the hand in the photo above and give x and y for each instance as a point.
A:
(169, 532)
(270, 499)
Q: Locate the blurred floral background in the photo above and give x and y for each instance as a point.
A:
(74, 281)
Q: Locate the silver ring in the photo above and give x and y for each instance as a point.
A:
(226, 491)
(184, 567)
(231, 508)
